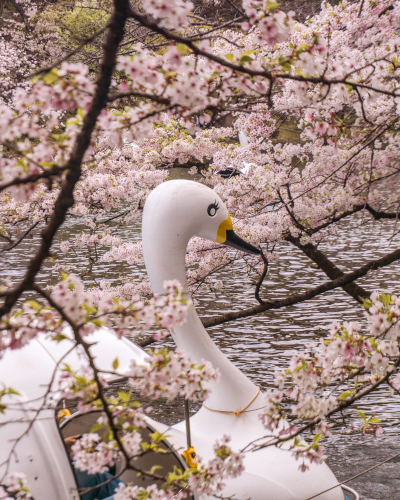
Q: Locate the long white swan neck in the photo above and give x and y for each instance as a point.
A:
(164, 249)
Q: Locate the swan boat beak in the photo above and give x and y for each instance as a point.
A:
(227, 236)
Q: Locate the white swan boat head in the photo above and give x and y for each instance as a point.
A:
(174, 212)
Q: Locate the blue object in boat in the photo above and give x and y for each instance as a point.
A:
(105, 492)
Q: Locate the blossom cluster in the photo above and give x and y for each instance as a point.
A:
(93, 455)
(272, 26)
(169, 374)
(78, 307)
(209, 478)
(81, 385)
(173, 14)
(15, 486)
(346, 362)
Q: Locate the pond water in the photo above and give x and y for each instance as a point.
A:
(260, 344)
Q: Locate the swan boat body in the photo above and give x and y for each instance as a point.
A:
(174, 212)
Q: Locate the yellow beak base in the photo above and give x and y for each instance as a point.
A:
(226, 225)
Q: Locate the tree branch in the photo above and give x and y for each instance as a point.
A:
(342, 281)
(342, 406)
(380, 215)
(20, 239)
(46, 174)
(260, 281)
(169, 35)
(22, 14)
(329, 268)
(65, 198)
(113, 96)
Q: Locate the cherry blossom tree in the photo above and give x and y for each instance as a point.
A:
(86, 137)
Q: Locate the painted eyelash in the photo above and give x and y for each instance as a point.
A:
(214, 206)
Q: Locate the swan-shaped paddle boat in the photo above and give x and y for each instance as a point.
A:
(174, 212)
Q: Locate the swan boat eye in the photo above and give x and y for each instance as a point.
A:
(213, 208)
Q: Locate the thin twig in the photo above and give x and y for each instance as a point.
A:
(22, 237)
(354, 477)
(67, 56)
(260, 281)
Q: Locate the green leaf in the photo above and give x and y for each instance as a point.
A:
(285, 63)
(35, 79)
(63, 276)
(95, 427)
(361, 414)
(229, 57)
(81, 381)
(183, 49)
(115, 363)
(123, 395)
(272, 5)
(344, 395)
(59, 337)
(385, 299)
(13, 391)
(72, 121)
(51, 76)
(367, 303)
(155, 468)
(167, 73)
(373, 420)
(46, 164)
(107, 436)
(317, 437)
(157, 437)
(97, 322)
(142, 494)
(303, 47)
(89, 309)
(349, 88)
(32, 303)
(245, 59)
(248, 52)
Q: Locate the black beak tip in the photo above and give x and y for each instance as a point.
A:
(235, 241)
